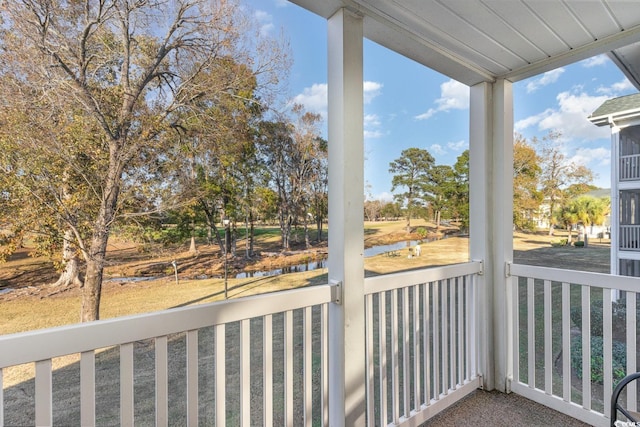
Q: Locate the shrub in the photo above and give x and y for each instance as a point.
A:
(579, 244)
(619, 359)
(560, 242)
(422, 232)
(618, 317)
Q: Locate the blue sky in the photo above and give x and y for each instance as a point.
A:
(408, 105)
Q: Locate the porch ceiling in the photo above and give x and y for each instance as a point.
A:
(480, 40)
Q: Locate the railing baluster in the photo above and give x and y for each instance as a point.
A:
(631, 350)
(308, 368)
(370, 360)
(416, 347)
(453, 367)
(436, 341)
(382, 348)
(192, 378)
(162, 382)
(324, 343)
(461, 328)
(586, 347)
(607, 346)
(515, 301)
(531, 336)
(548, 323)
(1, 398)
(221, 375)
(405, 352)
(267, 370)
(126, 384)
(44, 393)
(395, 388)
(87, 389)
(475, 320)
(566, 342)
(288, 363)
(245, 372)
(426, 331)
(445, 337)
(472, 331)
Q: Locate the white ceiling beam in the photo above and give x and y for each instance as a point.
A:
(602, 46)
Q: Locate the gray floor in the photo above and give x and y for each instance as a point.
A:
(482, 408)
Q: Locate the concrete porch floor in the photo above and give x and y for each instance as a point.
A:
(482, 408)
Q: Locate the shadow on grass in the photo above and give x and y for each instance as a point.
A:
(20, 401)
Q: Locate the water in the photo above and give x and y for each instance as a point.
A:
(131, 279)
(377, 250)
(309, 266)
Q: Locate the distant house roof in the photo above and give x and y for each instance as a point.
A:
(620, 108)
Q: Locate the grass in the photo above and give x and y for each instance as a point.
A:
(34, 312)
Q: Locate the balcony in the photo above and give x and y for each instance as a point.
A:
(630, 167)
(266, 360)
(629, 239)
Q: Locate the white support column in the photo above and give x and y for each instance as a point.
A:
(615, 204)
(491, 223)
(347, 404)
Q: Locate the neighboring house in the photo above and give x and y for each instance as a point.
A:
(623, 116)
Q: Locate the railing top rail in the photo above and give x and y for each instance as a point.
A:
(44, 344)
(601, 280)
(389, 282)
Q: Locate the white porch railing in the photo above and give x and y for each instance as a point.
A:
(252, 360)
(571, 338)
(422, 342)
(629, 238)
(256, 360)
(630, 167)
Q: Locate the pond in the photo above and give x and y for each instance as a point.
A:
(314, 265)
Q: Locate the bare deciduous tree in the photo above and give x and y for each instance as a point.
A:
(125, 69)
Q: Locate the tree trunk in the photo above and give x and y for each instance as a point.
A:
(71, 273)
(569, 237)
(319, 227)
(307, 243)
(92, 290)
(192, 246)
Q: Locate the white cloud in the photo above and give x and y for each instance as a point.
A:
(598, 156)
(371, 90)
(546, 79)
(314, 98)
(521, 125)
(372, 134)
(617, 88)
(571, 117)
(371, 120)
(453, 96)
(282, 3)
(265, 20)
(457, 146)
(437, 149)
(595, 61)
(424, 116)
